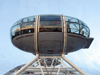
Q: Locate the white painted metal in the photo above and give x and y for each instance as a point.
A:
(44, 70)
(52, 62)
(36, 68)
(50, 70)
(27, 65)
(46, 67)
(60, 66)
(45, 63)
(65, 35)
(74, 66)
(40, 66)
(60, 69)
(35, 35)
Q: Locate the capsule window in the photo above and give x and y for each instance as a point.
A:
(50, 29)
(50, 23)
(26, 26)
(15, 31)
(76, 26)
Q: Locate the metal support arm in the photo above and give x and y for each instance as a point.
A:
(27, 65)
(74, 66)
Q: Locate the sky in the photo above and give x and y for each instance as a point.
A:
(86, 10)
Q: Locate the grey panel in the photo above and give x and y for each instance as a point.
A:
(50, 42)
(89, 41)
(75, 42)
(50, 47)
(25, 42)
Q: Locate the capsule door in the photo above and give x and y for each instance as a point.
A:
(50, 35)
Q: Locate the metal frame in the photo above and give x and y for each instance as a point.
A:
(36, 35)
(64, 35)
(35, 67)
(61, 68)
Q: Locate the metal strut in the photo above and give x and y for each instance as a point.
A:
(54, 69)
(27, 65)
(74, 66)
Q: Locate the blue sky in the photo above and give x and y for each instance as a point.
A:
(86, 10)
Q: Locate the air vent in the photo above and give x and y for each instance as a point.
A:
(50, 51)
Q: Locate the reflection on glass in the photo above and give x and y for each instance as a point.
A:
(18, 22)
(23, 26)
(76, 26)
(29, 19)
(50, 23)
(71, 19)
(15, 30)
(27, 28)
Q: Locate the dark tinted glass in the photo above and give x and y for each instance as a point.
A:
(50, 17)
(50, 23)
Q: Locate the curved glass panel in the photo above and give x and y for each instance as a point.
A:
(76, 26)
(71, 19)
(28, 25)
(29, 19)
(23, 26)
(15, 30)
(50, 23)
(27, 28)
(18, 22)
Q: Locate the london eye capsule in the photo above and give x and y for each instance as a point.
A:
(50, 34)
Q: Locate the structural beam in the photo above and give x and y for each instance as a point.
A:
(74, 66)
(27, 65)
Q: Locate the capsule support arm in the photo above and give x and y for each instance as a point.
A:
(74, 66)
(27, 65)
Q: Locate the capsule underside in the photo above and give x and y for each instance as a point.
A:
(50, 34)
